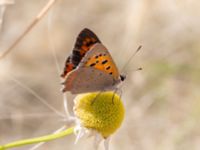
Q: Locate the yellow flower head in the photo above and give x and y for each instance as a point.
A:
(102, 112)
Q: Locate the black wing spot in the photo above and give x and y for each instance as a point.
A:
(104, 62)
(89, 43)
(104, 54)
(108, 68)
(93, 64)
(110, 73)
(76, 57)
(100, 55)
(96, 57)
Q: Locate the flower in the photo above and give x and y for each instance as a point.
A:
(98, 114)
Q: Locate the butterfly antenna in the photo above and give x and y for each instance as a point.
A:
(129, 60)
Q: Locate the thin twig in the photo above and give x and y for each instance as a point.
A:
(68, 111)
(37, 96)
(30, 26)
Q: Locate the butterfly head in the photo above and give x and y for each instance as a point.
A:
(122, 77)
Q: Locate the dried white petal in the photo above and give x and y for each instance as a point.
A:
(97, 140)
(68, 106)
(106, 143)
(79, 132)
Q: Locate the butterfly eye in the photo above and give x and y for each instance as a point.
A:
(122, 77)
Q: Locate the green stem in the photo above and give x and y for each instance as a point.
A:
(38, 139)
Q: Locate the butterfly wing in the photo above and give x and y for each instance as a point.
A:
(86, 79)
(99, 58)
(85, 40)
(96, 72)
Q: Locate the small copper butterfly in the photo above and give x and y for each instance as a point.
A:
(90, 67)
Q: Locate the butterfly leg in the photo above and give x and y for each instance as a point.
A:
(115, 91)
(120, 93)
(95, 98)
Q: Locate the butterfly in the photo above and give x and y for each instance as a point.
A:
(90, 67)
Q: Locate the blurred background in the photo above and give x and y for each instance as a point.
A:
(162, 101)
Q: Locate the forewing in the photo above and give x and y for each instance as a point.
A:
(99, 58)
(85, 40)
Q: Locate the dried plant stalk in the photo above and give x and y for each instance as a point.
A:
(30, 26)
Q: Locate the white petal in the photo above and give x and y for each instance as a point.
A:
(97, 140)
(68, 106)
(79, 132)
(106, 143)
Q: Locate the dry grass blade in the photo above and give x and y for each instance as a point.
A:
(30, 26)
(38, 97)
(3, 4)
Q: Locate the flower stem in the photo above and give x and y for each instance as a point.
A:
(38, 139)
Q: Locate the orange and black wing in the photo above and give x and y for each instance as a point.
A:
(85, 40)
